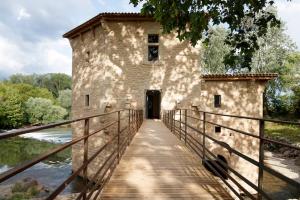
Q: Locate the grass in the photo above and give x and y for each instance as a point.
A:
(290, 133)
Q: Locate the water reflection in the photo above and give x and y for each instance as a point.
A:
(52, 171)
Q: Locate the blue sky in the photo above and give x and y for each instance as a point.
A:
(31, 31)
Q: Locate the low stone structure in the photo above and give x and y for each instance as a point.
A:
(122, 60)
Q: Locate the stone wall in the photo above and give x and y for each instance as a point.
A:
(110, 64)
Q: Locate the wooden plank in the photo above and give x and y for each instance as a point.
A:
(157, 165)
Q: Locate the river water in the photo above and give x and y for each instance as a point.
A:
(49, 173)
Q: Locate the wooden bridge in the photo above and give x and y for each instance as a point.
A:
(157, 165)
(156, 159)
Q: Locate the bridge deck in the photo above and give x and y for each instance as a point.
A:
(157, 165)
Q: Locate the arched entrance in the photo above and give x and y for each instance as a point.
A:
(153, 99)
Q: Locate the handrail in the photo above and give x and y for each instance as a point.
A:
(170, 121)
(17, 132)
(134, 118)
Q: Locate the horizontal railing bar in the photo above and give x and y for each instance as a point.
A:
(101, 178)
(91, 182)
(252, 135)
(200, 155)
(246, 117)
(234, 181)
(12, 172)
(231, 188)
(238, 174)
(235, 172)
(281, 176)
(281, 143)
(254, 162)
(239, 131)
(63, 185)
(124, 129)
(195, 118)
(17, 132)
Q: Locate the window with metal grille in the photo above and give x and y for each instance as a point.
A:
(153, 49)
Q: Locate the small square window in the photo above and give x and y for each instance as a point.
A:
(153, 38)
(217, 129)
(152, 52)
(87, 100)
(217, 101)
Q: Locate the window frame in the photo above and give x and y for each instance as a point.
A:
(87, 100)
(217, 100)
(152, 44)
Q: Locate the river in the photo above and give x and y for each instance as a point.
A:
(50, 172)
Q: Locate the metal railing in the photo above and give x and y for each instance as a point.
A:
(92, 186)
(207, 156)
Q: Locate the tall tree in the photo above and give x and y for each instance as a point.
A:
(54, 82)
(246, 20)
(215, 51)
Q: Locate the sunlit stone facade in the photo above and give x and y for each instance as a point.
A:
(111, 70)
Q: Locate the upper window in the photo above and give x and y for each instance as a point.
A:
(153, 50)
(217, 101)
(153, 38)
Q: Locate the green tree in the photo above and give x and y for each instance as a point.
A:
(54, 82)
(276, 54)
(65, 99)
(246, 20)
(215, 51)
(40, 110)
(11, 111)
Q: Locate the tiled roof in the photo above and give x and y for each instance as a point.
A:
(108, 16)
(244, 76)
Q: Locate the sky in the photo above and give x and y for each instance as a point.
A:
(31, 31)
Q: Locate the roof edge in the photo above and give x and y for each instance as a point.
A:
(241, 76)
(108, 16)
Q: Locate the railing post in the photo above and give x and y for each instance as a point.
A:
(180, 124)
(119, 123)
(261, 156)
(185, 123)
(135, 121)
(129, 129)
(203, 130)
(85, 153)
(173, 125)
(168, 121)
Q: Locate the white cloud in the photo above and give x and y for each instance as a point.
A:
(289, 13)
(23, 14)
(42, 57)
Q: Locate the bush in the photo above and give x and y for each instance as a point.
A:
(40, 110)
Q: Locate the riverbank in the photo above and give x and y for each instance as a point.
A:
(50, 172)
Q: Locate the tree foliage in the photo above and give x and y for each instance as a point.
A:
(14, 94)
(246, 20)
(40, 110)
(65, 99)
(54, 82)
(11, 112)
(277, 54)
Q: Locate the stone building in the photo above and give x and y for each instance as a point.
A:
(123, 60)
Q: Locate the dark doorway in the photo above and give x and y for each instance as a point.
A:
(153, 104)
